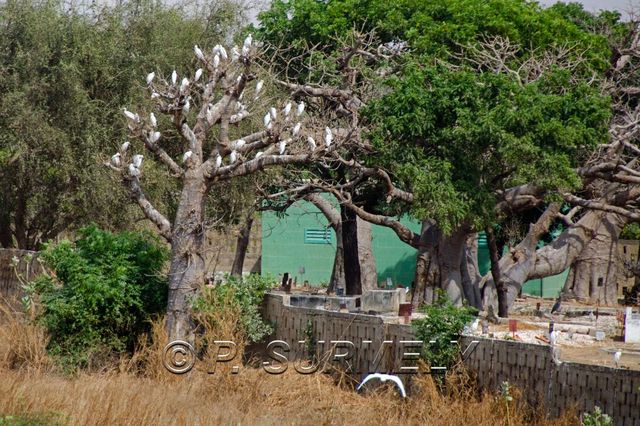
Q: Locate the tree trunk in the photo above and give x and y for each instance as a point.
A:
(6, 239)
(352, 272)
(335, 221)
(241, 246)
(503, 307)
(450, 254)
(471, 272)
(368, 270)
(337, 273)
(593, 276)
(187, 270)
(439, 264)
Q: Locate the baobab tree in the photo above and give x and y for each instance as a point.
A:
(213, 115)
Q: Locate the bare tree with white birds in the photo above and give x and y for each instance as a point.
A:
(208, 117)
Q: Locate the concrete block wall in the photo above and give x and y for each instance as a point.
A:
(529, 367)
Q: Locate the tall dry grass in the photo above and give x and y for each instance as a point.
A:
(140, 391)
(23, 343)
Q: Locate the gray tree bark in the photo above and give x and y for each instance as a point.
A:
(242, 243)
(439, 264)
(187, 270)
(593, 275)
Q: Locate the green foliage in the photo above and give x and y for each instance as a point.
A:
(454, 137)
(596, 418)
(244, 294)
(630, 232)
(65, 74)
(33, 419)
(104, 290)
(432, 27)
(443, 323)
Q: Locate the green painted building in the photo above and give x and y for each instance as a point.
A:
(303, 244)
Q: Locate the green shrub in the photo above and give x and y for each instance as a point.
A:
(243, 295)
(33, 419)
(102, 292)
(596, 418)
(443, 323)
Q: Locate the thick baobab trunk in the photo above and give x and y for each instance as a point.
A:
(439, 264)
(593, 276)
(241, 246)
(368, 270)
(352, 271)
(524, 262)
(187, 270)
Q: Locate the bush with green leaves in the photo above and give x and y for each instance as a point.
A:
(101, 294)
(243, 295)
(596, 418)
(443, 323)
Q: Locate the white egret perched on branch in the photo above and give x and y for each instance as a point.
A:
(184, 85)
(186, 156)
(218, 161)
(287, 109)
(312, 143)
(115, 159)
(239, 144)
(155, 136)
(233, 157)
(137, 160)
(247, 41)
(198, 74)
(259, 87)
(174, 77)
(283, 145)
(150, 77)
(130, 115)
(296, 129)
(153, 121)
(267, 120)
(216, 61)
(133, 170)
(300, 109)
(328, 137)
(384, 378)
(187, 106)
(198, 52)
(235, 54)
(273, 112)
(124, 147)
(223, 53)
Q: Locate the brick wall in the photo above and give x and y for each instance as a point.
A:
(530, 367)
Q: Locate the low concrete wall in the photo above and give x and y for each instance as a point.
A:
(530, 367)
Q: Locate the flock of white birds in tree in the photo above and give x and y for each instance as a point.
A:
(278, 125)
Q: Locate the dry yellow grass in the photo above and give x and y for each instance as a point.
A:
(139, 391)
